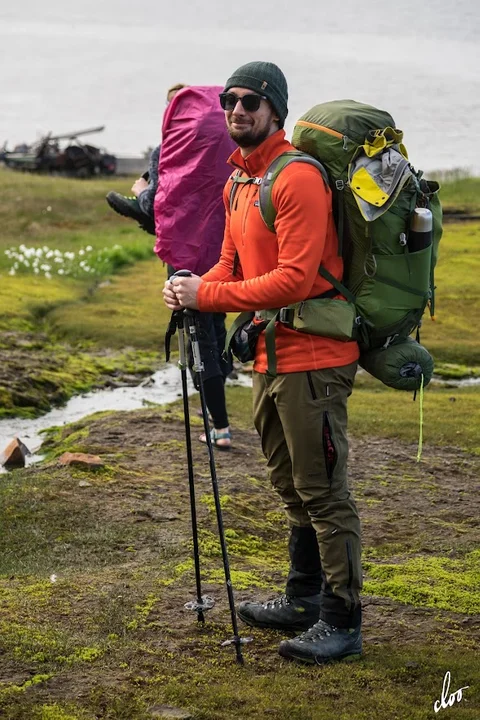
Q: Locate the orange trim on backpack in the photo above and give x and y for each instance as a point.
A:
(328, 130)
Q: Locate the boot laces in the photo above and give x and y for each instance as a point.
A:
(278, 602)
(318, 632)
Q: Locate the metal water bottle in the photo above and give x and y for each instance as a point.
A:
(421, 227)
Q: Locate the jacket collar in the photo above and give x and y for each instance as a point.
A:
(259, 160)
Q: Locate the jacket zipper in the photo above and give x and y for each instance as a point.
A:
(248, 203)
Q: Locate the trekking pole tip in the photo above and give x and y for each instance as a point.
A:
(238, 642)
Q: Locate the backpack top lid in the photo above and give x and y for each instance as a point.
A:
(193, 169)
(333, 131)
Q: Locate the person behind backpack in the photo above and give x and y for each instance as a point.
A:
(301, 413)
(211, 331)
(190, 223)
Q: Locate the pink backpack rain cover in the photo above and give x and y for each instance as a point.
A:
(192, 172)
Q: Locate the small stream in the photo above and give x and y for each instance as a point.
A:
(162, 387)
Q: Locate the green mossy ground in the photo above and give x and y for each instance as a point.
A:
(93, 579)
(95, 566)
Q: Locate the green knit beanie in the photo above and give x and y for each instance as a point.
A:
(266, 79)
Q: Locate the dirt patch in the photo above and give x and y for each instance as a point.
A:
(407, 508)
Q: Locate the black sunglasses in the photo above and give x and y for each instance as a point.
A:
(250, 102)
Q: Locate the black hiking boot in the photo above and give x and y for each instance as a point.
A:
(129, 207)
(324, 643)
(282, 613)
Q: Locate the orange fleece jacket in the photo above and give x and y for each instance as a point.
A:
(279, 268)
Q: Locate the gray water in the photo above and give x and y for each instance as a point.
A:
(69, 65)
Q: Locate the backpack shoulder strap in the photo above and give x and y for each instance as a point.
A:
(267, 210)
(239, 179)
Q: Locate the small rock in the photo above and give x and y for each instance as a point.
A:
(81, 459)
(149, 381)
(84, 483)
(166, 711)
(14, 454)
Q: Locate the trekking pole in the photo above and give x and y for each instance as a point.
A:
(202, 603)
(191, 322)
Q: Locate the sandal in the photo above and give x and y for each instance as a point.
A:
(215, 436)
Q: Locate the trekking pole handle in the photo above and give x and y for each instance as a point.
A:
(177, 321)
(181, 273)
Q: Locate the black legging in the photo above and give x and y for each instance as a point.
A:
(211, 340)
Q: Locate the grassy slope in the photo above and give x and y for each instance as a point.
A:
(83, 323)
(461, 195)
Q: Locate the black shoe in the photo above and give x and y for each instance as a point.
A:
(283, 613)
(324, 643)
(129, 207)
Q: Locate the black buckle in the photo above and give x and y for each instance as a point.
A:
(286, 315)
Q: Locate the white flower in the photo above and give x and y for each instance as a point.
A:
(81, 251)
(11, 271)
(89, 248)
(49, 254)
(49, 208)
(53, 578)
(61, 271)
(48, 276)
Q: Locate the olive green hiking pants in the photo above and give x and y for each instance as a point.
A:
(302, 421)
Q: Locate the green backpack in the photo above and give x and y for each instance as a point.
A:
(376, 192)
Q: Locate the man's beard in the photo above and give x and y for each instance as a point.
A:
(249, 138)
